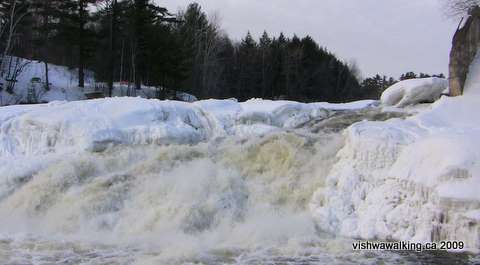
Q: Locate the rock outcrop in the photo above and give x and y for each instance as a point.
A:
(465, 45)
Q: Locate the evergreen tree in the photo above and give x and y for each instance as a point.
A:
(265, 46)
(247, 75)
(199, 40)
(146, 15)
(373, 87)
(279, 53)
(148, 46)
(76, 16)
(45, 26)
(408, 75)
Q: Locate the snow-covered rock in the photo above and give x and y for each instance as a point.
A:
(414, 91)
(185, 97)
(415, 179)
(96, 124)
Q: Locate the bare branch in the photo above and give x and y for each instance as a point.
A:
(10, 25)
(456, 8)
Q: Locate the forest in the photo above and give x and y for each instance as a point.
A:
(141, 43)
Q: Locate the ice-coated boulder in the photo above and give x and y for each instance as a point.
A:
(414, 91)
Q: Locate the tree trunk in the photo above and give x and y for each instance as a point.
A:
(111, 64)
(47, 81)
(140, 6)
(81, 48)
(121, 61)
(45, 46)
(264, 87)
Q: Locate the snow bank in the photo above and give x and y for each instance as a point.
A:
(414, 91)
(415, 179)
(96, 124)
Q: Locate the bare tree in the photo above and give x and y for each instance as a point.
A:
(8, 27)
(15, 68)
(355, 69)
(9, 22)
(457, 8)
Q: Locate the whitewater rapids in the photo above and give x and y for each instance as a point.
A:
(263, 185)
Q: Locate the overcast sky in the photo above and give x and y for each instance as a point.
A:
(382, 36)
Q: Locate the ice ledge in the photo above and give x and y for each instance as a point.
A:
(96, 124)
(415, 179)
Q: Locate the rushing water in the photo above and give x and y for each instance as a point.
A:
(228, 201)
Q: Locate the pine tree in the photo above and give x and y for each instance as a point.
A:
(107, 17)
(74, 16)
(112, 39)
(265, 46)
(193, 32)
(247, 76)
(279, 50)
(82, 18)
(408, 75)
(45, 25)
(145, 15)
(192, 55)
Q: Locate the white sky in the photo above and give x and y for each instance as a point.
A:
(383, 36)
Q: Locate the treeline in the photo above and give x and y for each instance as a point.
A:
(272, 67)
(141, 43)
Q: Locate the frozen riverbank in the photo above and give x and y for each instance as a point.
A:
(414, 179)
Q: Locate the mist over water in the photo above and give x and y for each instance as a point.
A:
(226, 201)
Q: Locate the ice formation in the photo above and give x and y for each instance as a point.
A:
(414, 91)
(415, 179)
(97, 124)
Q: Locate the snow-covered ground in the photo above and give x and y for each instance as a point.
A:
(64, 85)
(63, 82)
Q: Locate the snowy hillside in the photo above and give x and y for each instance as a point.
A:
(63, 85)
(63, 82)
